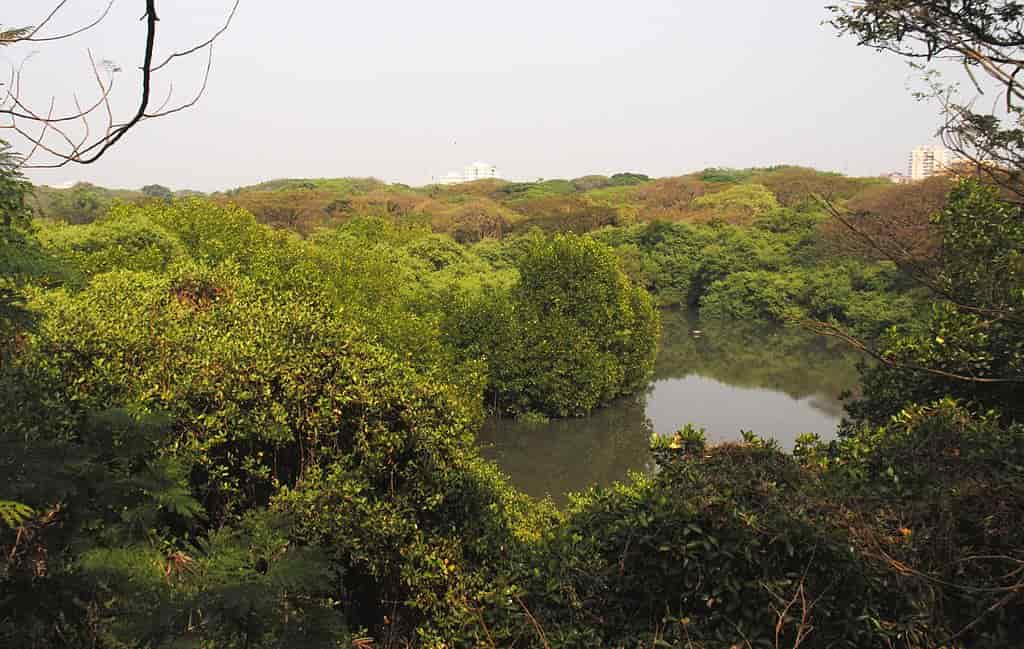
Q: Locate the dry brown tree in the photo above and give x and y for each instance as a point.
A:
(47, 137)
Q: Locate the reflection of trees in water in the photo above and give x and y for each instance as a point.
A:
(756, 355)
(827, 405)
(571, 454)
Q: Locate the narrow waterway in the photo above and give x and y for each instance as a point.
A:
(725, 377)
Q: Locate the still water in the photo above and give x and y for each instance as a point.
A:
(776, 381)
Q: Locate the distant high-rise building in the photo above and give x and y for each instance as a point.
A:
(475, 171)
(928, 160)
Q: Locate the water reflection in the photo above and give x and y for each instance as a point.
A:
(723, 410)
(571, 454)
(774, 380)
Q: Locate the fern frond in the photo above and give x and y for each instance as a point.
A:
(14, 514)
(165, 482)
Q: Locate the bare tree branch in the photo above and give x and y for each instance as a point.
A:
(31, 37)
(833, 331)
(18, 117)
(205, 43)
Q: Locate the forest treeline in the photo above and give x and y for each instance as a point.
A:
(225, 425)
(675, 236)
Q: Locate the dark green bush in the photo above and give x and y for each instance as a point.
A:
(272, 402)
(936, 498)
(571, 334)
(721, 547)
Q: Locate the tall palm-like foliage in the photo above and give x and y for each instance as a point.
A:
(13, 189)
(14, 218)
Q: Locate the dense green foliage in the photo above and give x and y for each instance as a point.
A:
(232, 428)
(568, 336)
(249, 421)
(275, 410)
(971, 344)
(266, 441)
(937, 498)
(773, 270)
(752, 243)
(703, 552)
(21, 258)
(14, 190)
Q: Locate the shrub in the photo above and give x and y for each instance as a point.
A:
(121, 241)
(282, 402)
(741, 203)
(721, 547)
(938, 498)
(571, 334)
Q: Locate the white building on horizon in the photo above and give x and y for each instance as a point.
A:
(475, 171)
(928, 160)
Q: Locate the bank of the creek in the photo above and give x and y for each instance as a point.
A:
(731, 376)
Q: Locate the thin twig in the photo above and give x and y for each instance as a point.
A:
(31, 37)
(209, 41)
(533, 621)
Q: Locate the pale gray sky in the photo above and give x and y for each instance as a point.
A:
(406, 90)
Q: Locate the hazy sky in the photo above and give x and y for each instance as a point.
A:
(405, 90)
